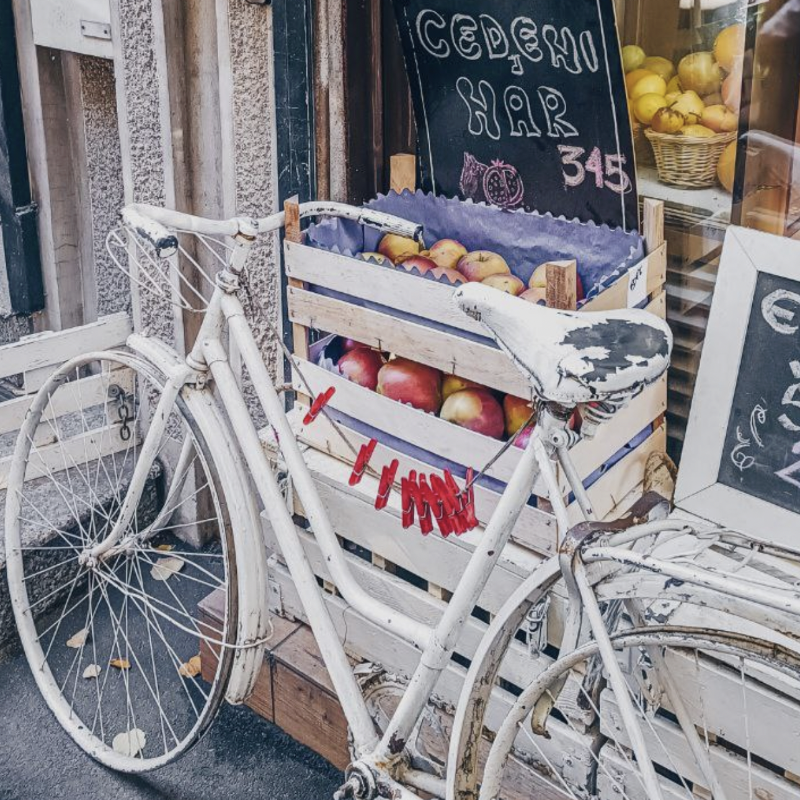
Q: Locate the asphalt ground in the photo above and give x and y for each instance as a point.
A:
(243, 756)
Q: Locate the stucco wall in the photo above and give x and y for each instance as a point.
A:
(104, 175)
(255, 179)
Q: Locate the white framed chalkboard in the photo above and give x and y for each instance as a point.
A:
(741, 460)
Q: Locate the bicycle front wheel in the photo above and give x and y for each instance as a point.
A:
(115, 642)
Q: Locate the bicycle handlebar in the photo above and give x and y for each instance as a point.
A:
(154, 224)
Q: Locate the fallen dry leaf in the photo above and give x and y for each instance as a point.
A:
(130, 743)
(92, 671)
(120, 663)
(165, 548)
(79, 639)
(165, 568)
(191, 668)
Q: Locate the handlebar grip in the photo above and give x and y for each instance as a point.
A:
(387, 223)
(164, 242)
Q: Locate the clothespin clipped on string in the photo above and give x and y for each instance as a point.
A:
(362, 461)
(422, 507)
(407, 502)
(318, 404)
(449, 505)
(385, 486)
(436, 504)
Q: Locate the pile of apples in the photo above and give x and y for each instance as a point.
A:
(448, 259)
(699, 98)
(457, 400)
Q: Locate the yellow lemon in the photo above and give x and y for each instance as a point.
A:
(632, 57)
(697, 131)
(726, 167)
(667, 120)
(661, 66)
(652, 84)
(647, 105)
(729, 46)
(632, 78)
(699, 72)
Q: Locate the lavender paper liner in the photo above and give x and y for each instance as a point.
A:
(524, 239)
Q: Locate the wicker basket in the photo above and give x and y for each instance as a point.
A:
(689, 161)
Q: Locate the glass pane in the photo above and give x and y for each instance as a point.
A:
(713, 94)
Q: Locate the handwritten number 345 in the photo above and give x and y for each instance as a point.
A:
(608, 172)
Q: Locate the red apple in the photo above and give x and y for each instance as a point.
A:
(476, 410)
(539, 281)
(361, 366)
(412, 383)
(522, 440)
(420, 263)
(517, 412)
(537, 295)
(397, 248)
(351, 344)
(446, 275)
(452, 384)
(509, 284)
(479, 265)
(447, 253)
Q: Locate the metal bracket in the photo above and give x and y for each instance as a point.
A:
(536, 627)
(95, 30)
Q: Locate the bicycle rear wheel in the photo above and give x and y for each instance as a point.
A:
(715, 752)
(115, 643)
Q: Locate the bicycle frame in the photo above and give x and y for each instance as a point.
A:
(435, 643)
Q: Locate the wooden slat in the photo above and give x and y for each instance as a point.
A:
(616, 295)
(87, 392)
(458, 444)
(55, 347)
(652, 223)
(448, 352)
(562, 278)
(391, 288)
(79, 450)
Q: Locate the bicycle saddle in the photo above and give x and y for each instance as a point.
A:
(573, 357)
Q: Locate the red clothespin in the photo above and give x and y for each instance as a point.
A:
(450, 481)
(385, 485)
(436, 506)
(362, 460)
(317, 406)
(423, 509)
(407, 500)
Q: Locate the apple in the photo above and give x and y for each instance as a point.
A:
(351, 344)
(476, 410)
(517, 412)
(537, 295)
(539, 281)
(420, 263)
(452, 384)
(377, 257)
(362, 366)
(480, 264)
(452, 276)
(522, 440)
(447, 253)
(397, 248)
(408, 382)
(510, 284)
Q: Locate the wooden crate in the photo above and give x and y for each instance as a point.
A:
(423, 441)
(30, 361)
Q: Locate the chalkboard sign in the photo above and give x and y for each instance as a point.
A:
(522, 105)
(741, 458)
(762, 444)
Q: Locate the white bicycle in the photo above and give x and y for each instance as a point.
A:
(110, 557)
